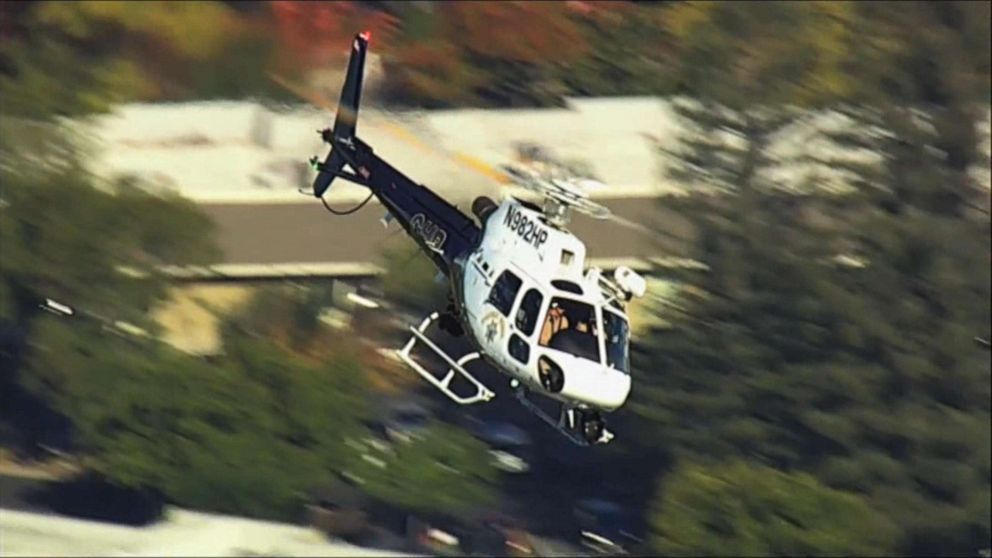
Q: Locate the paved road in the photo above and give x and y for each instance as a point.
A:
(307, 233)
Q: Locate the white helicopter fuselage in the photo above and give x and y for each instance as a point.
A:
(521, 266)
(519, 287)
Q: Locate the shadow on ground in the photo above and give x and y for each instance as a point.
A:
(90, 497)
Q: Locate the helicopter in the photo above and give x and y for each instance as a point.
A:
(518, 286)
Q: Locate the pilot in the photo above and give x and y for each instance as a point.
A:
(574, 340)
(555, 322)
(580, 339)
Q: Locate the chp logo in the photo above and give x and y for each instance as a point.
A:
(433, 235)
(493, 327)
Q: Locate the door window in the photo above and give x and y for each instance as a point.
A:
(519, 349)
(528, 312)
(617, 341)
(504, 292)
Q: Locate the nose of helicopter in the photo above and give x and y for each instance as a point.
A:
(596, 385)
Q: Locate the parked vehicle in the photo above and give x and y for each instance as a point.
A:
(401, 419)
(605, 527)
(511, 447)
(338, 510)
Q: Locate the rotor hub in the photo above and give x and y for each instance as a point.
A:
(556, 212)
(560, 194)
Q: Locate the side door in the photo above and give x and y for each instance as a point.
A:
(496, 312)
(477, 282)
(523, 333)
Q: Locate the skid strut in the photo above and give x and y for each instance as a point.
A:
(443, 385)
(567, 419)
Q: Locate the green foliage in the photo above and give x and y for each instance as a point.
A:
(766, 53)
(464, 57)
(860, 375)
(41, 85)
(631, 53)
(805, 53)
(72, 58)
(194, 29)
(444, 471)
(867, 377)
(251, 435)
(287, 315)
(745, 510)
(97, 251)
(409, 280)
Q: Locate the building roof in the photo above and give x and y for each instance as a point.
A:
(243, 151)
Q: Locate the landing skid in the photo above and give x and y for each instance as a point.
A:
(567, 422)
(443, 384)
(570, 422)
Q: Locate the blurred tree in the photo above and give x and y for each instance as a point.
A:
(318, 34)
(287, 315)
(410, 277)
(70, 58)
(460, 55)
(431, 74)
(750, 78)
(629, 52)
(766, 55)
(443, 471)
(251, 435)
(867, 376)
(837, 333)
(929, 83)
(97, 251)
(741, 509)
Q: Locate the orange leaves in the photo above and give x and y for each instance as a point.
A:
(473, 47)
(318, 33)
(432, 72)
(533, 32)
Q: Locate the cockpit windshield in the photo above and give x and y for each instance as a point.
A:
(617, 333)
(570, 326)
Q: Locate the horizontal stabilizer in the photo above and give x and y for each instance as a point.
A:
(332, 165)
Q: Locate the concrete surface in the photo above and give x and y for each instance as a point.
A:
(181, 533)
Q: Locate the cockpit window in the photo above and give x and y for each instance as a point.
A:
(570, 327)
(617, 333)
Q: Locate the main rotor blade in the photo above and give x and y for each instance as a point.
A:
(624, 222)
(643, 229)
